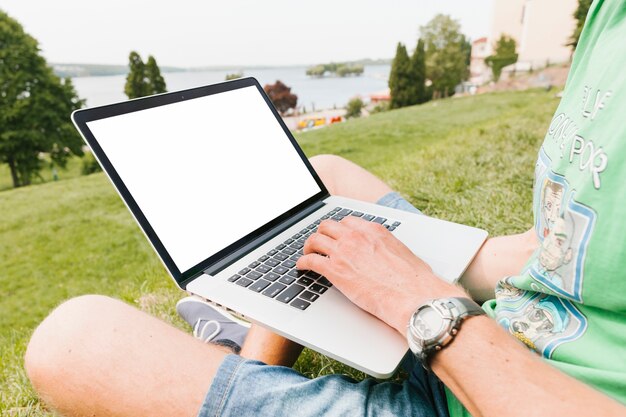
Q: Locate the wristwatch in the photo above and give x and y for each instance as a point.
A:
(435, 323)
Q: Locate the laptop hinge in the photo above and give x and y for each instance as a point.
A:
(249, 247)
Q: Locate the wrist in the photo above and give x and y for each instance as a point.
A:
(414, 298)
(434, 325)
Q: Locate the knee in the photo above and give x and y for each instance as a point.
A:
(326, 162)
(63, 330)
(328, 167)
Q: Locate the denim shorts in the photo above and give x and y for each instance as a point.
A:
(243, 387)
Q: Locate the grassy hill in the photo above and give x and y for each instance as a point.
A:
(468, 160)
(73, 169)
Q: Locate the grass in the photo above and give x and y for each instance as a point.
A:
(72, 170)
(468, 160)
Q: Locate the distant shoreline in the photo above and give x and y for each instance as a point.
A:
(72, 70)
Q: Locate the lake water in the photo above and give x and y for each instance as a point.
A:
(313, 93)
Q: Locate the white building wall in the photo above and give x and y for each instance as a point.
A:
(541, 28)
(507, 19)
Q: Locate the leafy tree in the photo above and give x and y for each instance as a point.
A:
(234, 76)
(418, 74)
(407, 80)
(89, 164)
(154, 79)
(281, 96)
(354, 108)
(316, 71)
(35, 107)
(143, 79)
(343, 70)
(446, 54)
(400, 85)
(580, 14)
(136, 85)
(383, 106)
(340, 70)
(504, 55)
(467, 51)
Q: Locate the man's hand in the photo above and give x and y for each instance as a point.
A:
(373, 269)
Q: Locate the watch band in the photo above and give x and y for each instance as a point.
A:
(466, 307)
(452, 310)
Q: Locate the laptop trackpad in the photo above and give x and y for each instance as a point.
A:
(342, 331)
(447, 247)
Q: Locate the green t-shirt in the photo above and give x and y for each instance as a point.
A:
(568, 303)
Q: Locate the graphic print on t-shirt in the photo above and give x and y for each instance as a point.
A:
(564, 227)
(541, 321)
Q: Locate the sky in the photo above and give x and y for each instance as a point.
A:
(196, 33)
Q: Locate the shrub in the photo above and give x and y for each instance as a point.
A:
(383, 106)
(354, 107)
(281, 96)
(234, 76)
(89, 164)
(504, 55)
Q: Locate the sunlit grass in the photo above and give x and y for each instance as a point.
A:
(47, 174)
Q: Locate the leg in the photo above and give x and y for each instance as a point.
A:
(347, 179)
(212, 324)
(97, 356)
(265, 346)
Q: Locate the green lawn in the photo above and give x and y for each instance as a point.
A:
(72, 170)
(468, 160)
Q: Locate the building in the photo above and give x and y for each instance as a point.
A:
(541, 29)
(479, 71)
(381, 96)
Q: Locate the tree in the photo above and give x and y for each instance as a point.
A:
(504, 55)
(281, 96)
(580, 14)
(343, 70)
(400, 79)
(233, 76)
(446, 54)
(35, 107)
(407, 80)
(154, 79)
(338, 69)
(467, 51)
(143, 79)
(418, 74)
(316, 71)
(354, 108)
(136, 85)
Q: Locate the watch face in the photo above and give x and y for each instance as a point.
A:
(428, 324)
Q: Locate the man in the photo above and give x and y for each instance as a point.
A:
(552, 198)
(97, 356)
(556, 250)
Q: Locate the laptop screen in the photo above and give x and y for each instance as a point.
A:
(206, 172)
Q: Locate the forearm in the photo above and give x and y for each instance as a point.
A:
(502, 377)
(499, 257)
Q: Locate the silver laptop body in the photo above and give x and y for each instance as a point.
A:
(220, 188)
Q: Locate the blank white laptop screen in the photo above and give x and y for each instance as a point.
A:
(204, 175)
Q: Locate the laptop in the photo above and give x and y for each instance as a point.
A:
(227, 198)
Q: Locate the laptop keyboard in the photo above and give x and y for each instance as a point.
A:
(275, 275)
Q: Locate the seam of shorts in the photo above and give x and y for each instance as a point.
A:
(227, 389)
